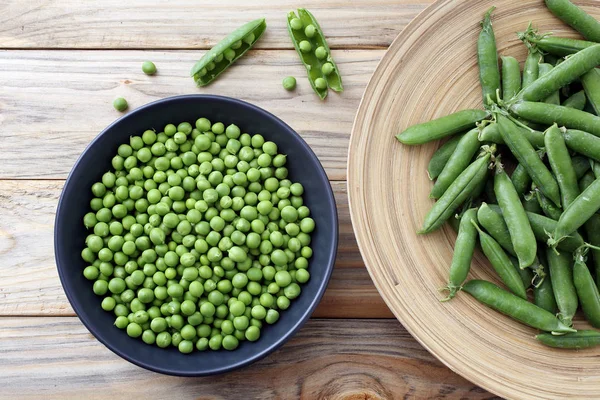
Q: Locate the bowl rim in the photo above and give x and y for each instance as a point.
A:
(295, 327)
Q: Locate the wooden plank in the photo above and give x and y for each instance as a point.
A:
(56, 358)
(189, 24)
(52, 103)
(30, 284)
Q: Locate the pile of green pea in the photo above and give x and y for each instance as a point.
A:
(198, 238)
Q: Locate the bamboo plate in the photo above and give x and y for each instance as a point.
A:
(429, 71)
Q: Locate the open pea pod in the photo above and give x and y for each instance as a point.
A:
(318, 61)
(227, 51)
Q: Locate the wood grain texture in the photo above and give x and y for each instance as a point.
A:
(52, 103)
(189, 24)
(327, 359)
(29, 283)
(389, 201)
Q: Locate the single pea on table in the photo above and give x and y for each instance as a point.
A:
(197, 237)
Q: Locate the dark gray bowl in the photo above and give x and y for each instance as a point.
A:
(69, 232)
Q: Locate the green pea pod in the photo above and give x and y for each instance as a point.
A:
(561, 273)
(587, 291)
(491, 133)
(561, 164)
(592, 228)
(464, 247)
(563, 116)
(532, 65)
(530, 204)
(458, 161)
(542, 226)
(457, 193)
(511, 77)
(441, 157)
(583, 339)
(489, 191)
(525, 274)
(581, 165)
(583, 143)
(441, 127)
(314, 59)
(521, 179)
(527, 156)
(563, 74)
(501, 263)
(521, 235)
(554, 45)
(487, 57)
(577, 213)
(595, 168)
(495, 225)
(543, 296)
(554, 98)
(548, 208)
(232, 47)
(576, 18)
(515, 307)
(591, 85)
(576, 101)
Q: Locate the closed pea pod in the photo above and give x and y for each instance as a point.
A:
(487, 57)
(576, 101)
(521, 234)
(441, 127)
(563, 74)
(527, 156)
(515, 307)
(560, 162)
(525, 274)
(583, 143)
(587, 291)
(581, 165)
(501, 263)
(548, 208)
(463, 253)
(591, 85)
(561, 273)
(575, 17)
(555, 45)
(563, 116)
(491, 133)
(582, 339)
(592, 229)
(458, 161)
(553, 98)
(441, 157)
(511, 77)
(495, 225)
(520, 179)
(532, 65)
(227, 51)
(543, 296)
(457, 193)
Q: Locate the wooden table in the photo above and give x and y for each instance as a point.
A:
(62, 63)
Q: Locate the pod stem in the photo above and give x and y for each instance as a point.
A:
(453, 290)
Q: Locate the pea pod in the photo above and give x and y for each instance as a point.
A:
(227, 51)
(511, 77)
(592, 228)
(457, 193)
(583, 143)
(591, 85)
(542, 226)
(578, 340)
(521, 234)
(515, 307)
(575, 17)
(558, 46)
(563, 74)
(491, 133)
(560, 162)
(441, 157)
(543, 296)
(458, 161)
(495, 225)
(530, 204)
(576, 101)
(501, 263)
(520, 179)
(531, 69)
(487, 57)
(577, 213)
(581, 165)
(587, 291)
(563, 116)
(314, 52)
(548, 207)
(525, 274)
(527, 156)
(441, 127)
(553, 98)
(561, 273)
(463, 252)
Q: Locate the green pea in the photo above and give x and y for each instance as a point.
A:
(327, 69)
(120, 104)
(148, 68)
(289, 83)
(310, 31)
(320, 52)
(296, 24)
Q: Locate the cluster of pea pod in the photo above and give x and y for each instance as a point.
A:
(537, 226)
(307, 37)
